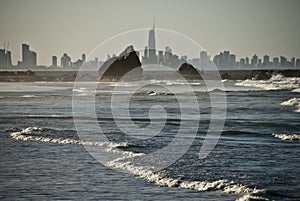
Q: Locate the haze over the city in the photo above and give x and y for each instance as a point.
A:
(75, 26)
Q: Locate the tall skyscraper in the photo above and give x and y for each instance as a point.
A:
(54, 61)
(5, 58)
(65, 61)
(151, 39)
(2, 58)
(25, 54)
(150, 56)
(29, 58)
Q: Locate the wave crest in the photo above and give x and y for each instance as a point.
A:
(276, 82)
(292, 102)
(27, 135)
(292, 137)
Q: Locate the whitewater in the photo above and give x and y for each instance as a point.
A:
(256, 157)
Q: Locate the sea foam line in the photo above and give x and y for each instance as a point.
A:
(26, 135)
(291, 137)
(292, 102)
(158, 178)
(276, 82)
(145, 173)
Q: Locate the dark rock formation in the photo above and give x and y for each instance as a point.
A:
(267, 74)
(236, 76)
(261, 74)
(189, 72)
(290, 73)
(116, 67)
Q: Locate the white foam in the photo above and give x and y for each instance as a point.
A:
(249, 197)
(29, 96)
(276, 82)
(292, 137)
(292, 102)
(26, 135)
(146, 173)
(296, 90)
(158, 178)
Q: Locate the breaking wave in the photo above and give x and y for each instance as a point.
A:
(292, 102)
(160, 179)
(291, 137)
(27, 135)
(142, 172)
(276, 82)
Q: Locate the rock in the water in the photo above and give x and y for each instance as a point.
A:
(189, 72)
(116, 67)
(261, 74)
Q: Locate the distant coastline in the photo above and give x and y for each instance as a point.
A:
(70, 76)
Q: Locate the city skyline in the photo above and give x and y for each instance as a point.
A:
(245, 27)
(224, 60)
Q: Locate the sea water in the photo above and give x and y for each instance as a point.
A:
(42, 157)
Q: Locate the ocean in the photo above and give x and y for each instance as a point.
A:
(45, 155)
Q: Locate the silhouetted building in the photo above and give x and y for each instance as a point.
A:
(65, 61)
(242, 62)
(254, 60)
(2, 58)
(298, 63)
(247, 61)
(283, 61)
(266, 61)
(29, 58)
(232, 60)
(83, 57)
(203, 58)
(54, 61)
(5, 58)
(151, 41)
(275, 62)
(150, 56)
(292, 62)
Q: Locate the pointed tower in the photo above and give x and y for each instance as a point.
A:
(151, 40)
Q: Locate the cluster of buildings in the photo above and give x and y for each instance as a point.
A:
(5, 58)
(227, 60)
(224, 60)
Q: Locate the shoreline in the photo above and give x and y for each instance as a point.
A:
(71, 76)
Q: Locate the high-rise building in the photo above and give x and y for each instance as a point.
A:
(65, 61)
(247, 61)
(150, 56)
(8, 59)
(298, 63)
(242, 62)
(292, 62)
(266, 60)
(2, 58)
(275, 62)
(203, 58)
(29, 58)
(232, 60)
(283, 61)
(54, 61)
(25, 54)
(254, 60)
(226, 58)
(83, 58)
(151, 41)
(32, 58)
(5, 58)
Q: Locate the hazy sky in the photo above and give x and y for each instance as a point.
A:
(245, 27)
